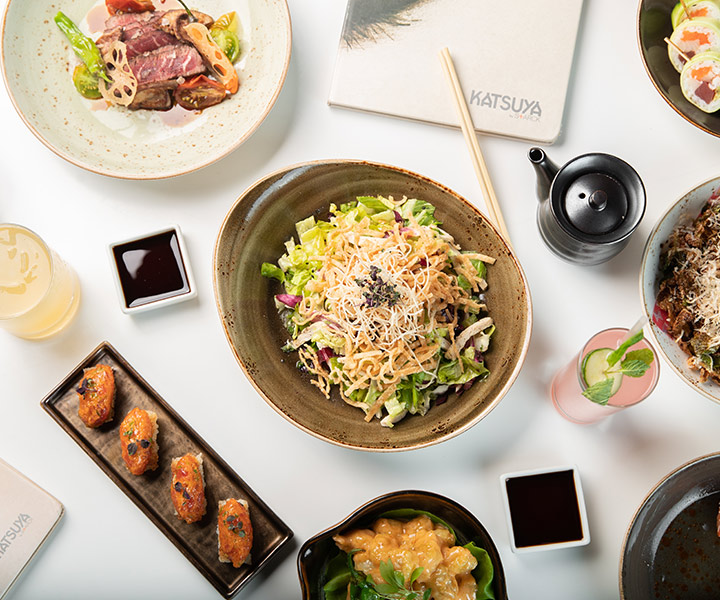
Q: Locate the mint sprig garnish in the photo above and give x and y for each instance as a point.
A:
(634, 363)
(600, 392)
(616, 355)
(394, 588)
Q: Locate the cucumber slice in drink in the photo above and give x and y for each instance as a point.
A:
(593, 369)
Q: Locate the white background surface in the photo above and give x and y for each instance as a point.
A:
(105, 547)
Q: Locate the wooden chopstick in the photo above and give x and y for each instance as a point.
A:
(476, 155)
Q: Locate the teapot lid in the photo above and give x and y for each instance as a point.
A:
(595, 203)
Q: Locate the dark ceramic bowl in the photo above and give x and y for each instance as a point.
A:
(254, 232)
(671, 549)
(318, 550)
(653, 26)
(686, 208)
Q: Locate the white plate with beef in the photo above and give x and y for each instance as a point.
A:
(171, 104)
(678, 330)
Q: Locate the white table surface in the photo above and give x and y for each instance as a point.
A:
(612, 107)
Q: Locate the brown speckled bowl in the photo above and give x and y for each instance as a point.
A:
(653, 26)
(37, 65)
(317, 551)
(254, 232)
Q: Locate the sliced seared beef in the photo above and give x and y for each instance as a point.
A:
(108, 38)
(155, 96)
(148, 40)
(173, 22)
(125, 19)
(169, 62)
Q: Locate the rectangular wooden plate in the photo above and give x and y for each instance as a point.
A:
(151, 491)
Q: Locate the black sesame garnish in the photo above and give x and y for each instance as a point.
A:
(144, 443)
(132, 448)
(377, 292)
(178, 486)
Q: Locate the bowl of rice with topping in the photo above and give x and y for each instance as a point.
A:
(370, 306)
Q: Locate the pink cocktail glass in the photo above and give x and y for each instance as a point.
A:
(568, 384)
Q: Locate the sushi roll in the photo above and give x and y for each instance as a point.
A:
(138, 438)
(188, 487)
(235, 532)
(693, 37)
(96, 396)
(704, 9)
(700, 81)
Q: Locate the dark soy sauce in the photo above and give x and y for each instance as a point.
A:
(544, 509)
(151, 269)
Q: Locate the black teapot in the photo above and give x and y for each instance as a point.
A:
(588, 208)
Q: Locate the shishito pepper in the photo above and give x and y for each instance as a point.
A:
(224, 33)
(83, 46)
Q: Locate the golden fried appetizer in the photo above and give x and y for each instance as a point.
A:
(188, 487)
(235, 533)
(138, 438)
(96, 396)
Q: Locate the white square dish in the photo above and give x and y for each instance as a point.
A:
(545, 509)
(152, 270)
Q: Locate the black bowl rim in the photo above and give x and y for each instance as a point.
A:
(522, 353)
(687, 465)
(655, 83)
(371, 504)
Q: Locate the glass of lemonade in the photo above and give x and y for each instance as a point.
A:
(39, 292)
(588, 367)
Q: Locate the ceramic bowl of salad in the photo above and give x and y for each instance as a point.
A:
(660, 19)
(139, 89)
(471, 569)
(370, 306)
(680, 323)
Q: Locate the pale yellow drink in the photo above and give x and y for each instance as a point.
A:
(39, 292)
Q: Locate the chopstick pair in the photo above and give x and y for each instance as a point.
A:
(476, 155)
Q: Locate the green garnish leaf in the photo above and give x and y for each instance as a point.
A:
(600, 392)
(644, 354)
(616, 355)
(633, 368)
(484, 573)
(273, 272)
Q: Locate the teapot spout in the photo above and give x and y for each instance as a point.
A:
(545, 169)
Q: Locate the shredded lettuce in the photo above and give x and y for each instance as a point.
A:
(415, 393)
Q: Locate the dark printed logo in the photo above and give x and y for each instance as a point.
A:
(16, 530)
(516, 108)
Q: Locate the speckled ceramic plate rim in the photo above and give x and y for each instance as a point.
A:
(655, 84)
(511, 254)
(140, 176)
(682, 467)
(651, 242)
